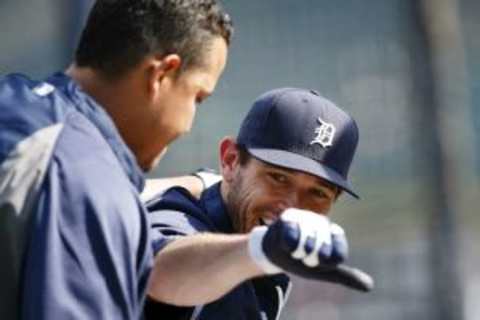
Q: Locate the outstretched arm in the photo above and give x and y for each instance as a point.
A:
(200, 268)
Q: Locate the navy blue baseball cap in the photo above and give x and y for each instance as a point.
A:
(299, 129)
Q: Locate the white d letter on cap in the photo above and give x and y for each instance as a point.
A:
(324, 134)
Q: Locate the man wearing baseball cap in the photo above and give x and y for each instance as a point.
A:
(227, 255)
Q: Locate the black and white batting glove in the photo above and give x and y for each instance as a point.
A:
(307, 244)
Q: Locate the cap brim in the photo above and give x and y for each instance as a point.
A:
(294, 161)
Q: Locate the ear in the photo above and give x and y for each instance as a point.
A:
(228, 158)
(161, 68)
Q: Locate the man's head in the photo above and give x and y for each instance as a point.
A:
(149, 62)
(120, 33)
(294, 149)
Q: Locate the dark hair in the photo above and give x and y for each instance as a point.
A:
(243, 155)
(120, 33)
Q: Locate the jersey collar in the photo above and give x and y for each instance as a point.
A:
(84, 104)
(215, 209)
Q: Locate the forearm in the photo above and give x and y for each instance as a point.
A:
(199, 269)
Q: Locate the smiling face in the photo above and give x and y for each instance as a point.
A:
(256, 192)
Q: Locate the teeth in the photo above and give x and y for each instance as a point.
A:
(267, 221)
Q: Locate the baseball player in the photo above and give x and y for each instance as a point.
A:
(228, 254)
(73, 149)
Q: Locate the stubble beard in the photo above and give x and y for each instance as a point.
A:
(235, 204)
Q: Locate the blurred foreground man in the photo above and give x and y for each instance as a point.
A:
(73, 149)
(226, 255)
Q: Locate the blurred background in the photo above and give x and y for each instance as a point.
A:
(407, 70)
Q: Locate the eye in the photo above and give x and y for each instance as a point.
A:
(319, 193)
(278, 177)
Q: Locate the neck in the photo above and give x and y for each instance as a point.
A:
(224, 191)
(97, 87)
(115, 97)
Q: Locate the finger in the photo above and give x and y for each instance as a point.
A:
(339, 249)
(318, 250)
(325, 253)
(300, 252)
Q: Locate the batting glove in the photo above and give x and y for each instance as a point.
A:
(306, 244)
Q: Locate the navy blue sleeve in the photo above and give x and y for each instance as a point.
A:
(89, 254)
(168, 225)
(175, 213)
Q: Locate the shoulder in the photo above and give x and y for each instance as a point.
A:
(180, 205)
(27, 107)
(177, 207)
(173, 198)
(29, 132)
(37, 101)
(174, 214)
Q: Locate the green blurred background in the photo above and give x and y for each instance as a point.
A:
(407, 70)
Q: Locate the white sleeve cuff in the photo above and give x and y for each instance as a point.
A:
(256, 251)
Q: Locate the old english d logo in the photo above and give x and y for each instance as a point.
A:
(324, 134)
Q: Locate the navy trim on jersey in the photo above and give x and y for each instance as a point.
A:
(73, 230)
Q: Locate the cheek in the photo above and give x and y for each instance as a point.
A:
(185, 110)
(242, 200)
(181, 115)
(321, 206)
(261, 205)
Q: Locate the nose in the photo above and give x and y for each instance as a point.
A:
(289, 200)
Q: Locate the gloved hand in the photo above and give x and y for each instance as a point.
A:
(306, 244)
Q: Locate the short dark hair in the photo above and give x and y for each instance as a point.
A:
(243, 155)
(120, 33)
